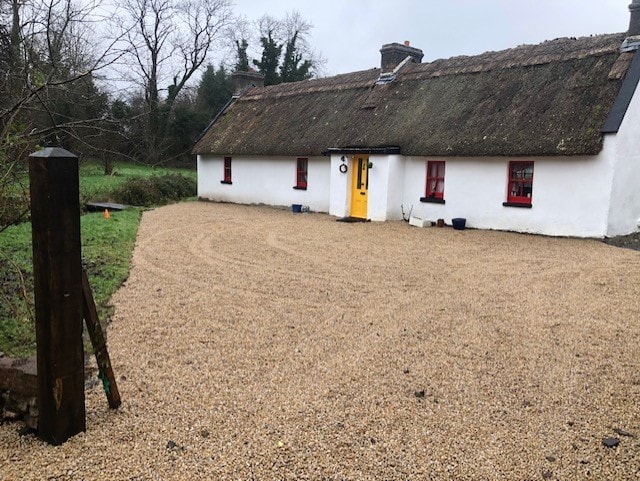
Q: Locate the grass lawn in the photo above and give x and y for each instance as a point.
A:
(17, 336)
(106, 252)
(107, 246)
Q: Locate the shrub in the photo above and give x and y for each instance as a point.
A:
(13, 209)
(155, 190)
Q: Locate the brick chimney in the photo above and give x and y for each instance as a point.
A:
(632, 42)
(394, 53)
(243, 81)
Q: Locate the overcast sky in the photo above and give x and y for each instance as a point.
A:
(349, 33)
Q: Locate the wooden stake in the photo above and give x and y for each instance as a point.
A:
(99, 345)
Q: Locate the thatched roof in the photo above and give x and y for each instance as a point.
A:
(547, 99)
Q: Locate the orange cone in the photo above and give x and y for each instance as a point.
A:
(106, 214)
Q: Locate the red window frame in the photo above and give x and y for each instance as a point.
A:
(520, 186)
(302, 167)
(435, 179)
(227, 170)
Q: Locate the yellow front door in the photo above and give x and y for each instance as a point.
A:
(359, 186)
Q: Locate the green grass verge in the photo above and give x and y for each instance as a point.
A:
(17, 335)
(107, 246)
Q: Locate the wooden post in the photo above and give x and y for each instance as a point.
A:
(57, 271)
(99, 344)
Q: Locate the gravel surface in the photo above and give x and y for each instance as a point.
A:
(253, 343)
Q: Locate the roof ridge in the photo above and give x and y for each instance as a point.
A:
(559, 49)
(556, 50)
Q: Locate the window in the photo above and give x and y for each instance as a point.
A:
(435, 182)
(227, 171)
(301, 173)
(520, 188)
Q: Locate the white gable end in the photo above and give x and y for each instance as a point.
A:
(623, 151)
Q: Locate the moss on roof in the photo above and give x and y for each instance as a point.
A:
(547, 99)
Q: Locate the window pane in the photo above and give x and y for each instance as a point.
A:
(301, 172)
(227, 169)
(435, 179)
(520, 181)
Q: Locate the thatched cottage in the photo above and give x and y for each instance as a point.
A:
(538, 138)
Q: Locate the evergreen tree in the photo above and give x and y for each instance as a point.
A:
(291, 69)
(214, 91)
(268, 65)
(242, 65)
(186, 123)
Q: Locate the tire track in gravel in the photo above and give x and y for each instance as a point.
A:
(215, 248)
(212, 245)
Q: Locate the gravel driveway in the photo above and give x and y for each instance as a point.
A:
(253, 343)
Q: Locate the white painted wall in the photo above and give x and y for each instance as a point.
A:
(623, 151)
(378, 195)
(397, 166)
(264, 180)
(570, 194)
(339, 192)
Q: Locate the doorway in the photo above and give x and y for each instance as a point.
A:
(359, 186)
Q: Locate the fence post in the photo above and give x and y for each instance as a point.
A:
(57, 271)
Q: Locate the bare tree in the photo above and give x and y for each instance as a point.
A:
(286, 53)
(297, 32)
(169, 41)
(238, 39)
(294, 24)
(267, 25)
(48, 64)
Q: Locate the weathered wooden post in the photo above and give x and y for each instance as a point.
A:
(57, 270)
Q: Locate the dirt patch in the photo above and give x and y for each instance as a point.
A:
(254, 343)
(631, 241)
